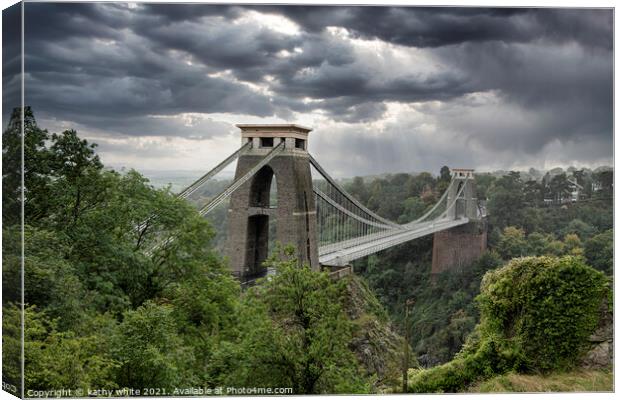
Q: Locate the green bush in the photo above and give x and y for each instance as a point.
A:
(535, 316)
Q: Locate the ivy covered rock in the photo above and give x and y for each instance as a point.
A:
(536, 315)
(545, 308)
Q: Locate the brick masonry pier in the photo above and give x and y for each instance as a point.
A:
(456, 248)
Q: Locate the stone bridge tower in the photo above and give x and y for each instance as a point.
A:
(459, 247)
(250, 211)
(467, 204)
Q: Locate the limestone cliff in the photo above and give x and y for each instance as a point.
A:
(379, 348)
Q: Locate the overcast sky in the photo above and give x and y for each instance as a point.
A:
(385, 89)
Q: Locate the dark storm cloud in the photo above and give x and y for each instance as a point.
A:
(114, 66)
(11, 60)
(441, 26)
(98, 72)
(355, 85)
(168, 13)
(568, 91)
(58, 21)
(192, 128)
(364, 112)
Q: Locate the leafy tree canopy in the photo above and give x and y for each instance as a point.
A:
(294, 333)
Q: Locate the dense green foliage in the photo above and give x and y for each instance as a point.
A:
(549, 306)
(535, 314)
(293, 333)
(599, 251)
(541, 207)
(522, 223)
(444, 312)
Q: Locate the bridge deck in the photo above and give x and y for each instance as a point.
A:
(351, 250)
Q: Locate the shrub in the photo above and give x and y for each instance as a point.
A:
(535, 316)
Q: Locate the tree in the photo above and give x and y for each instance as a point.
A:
(76, 168)
(599, 251)
(506, 201)
(572, 244)
(580, 228)
(100, 270)
(533, 193)
(444, 179)
(537, 244)
(50, 280)
(605, 181)
(12, 347)
(414, 207)
(428, 196)
(444, 174)
(418, 183)
(150, 350)
(483, 184)
(112, 257)
(512, 243)
(57, 171)
(555, 248)
(532, 219)
(206, 311)
(558, 301)
(63, 359)
(35, 168)
(293, 333)
(560, 188)
(585, 181)
(358, 189)
(375, 191)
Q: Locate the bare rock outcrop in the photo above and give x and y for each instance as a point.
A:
(377, 345)
(601, 347)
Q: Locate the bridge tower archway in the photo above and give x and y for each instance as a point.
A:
(262, 218)
(261, 188)
(252, 209)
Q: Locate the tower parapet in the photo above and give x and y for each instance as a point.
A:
(265, 137)
(462, 173)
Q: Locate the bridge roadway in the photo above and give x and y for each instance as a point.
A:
(342, 253)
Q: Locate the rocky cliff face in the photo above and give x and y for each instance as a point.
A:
(379, 348)
(601, 347)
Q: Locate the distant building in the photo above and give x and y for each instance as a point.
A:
(575, 191)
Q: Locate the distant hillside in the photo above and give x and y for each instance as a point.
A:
(537, 175)
(179, 179)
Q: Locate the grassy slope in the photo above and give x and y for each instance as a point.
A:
(575, 381)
